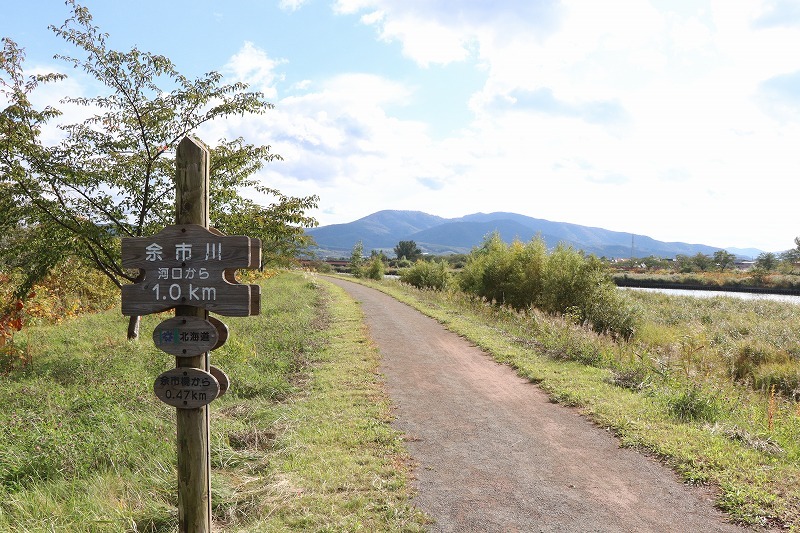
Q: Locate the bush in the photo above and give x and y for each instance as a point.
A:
(506, 275)
(610, 311)
(750, 356)
(69, 290)
(564, 282)
(320, 266)
(693, 404)
(427, 275)
(784, 377)
(374, 269)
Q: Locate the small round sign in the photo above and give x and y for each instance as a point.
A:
(222, 331)
(222, 378)
(186, 336)
(186, 388)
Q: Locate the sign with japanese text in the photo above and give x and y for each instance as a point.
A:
(190, 265)
(186, 388)
(186, 336)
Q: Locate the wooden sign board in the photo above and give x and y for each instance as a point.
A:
(222, 378)
(186, 265)
(222, 331)
(186, 388)
(186, 336)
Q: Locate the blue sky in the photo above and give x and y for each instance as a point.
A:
(675, 119)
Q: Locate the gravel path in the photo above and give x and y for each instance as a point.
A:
(493, 453)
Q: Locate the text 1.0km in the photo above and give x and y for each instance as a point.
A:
(175, 292)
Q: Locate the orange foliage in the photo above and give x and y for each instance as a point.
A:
(10, 323)
(66, 292)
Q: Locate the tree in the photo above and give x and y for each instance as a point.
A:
(35, 249)
(766, 261)
(724, 259)
(792, 255)
(683, 263)
(112, 175)
(357, 260)
(702, 261)
(379, 255)
(407, 250)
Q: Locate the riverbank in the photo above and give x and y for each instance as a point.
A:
(776, 284)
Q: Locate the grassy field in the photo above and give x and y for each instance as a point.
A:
(708, 385)
(301, 442)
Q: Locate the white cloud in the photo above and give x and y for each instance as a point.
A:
(291, 5)
(337, 139)
(427, 42)
(441, 31)
(778, 13)
(254, 66)
(670, 122)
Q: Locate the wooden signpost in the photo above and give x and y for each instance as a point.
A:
(190, 267)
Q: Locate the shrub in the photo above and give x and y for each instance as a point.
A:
(784, 377)
(570, 280)
(564, 282)
(374, 269)
(693, 404)
(528, 264)
(750, 356)
(320, 266)
(487, 271)
(501, 274)
(610, 311)
(427, 275)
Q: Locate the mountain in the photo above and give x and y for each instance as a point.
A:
(383, 229)
(437, 235)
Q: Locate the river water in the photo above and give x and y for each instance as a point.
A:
(709, 294)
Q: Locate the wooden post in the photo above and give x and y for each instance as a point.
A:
(188, 266)
(194, 454)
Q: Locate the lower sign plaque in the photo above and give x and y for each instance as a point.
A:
(186, 387)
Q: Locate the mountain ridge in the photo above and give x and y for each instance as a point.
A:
(382, 230)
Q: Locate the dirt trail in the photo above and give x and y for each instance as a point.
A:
(494, 454)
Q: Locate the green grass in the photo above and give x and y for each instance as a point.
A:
(667, 391)
(301, 441)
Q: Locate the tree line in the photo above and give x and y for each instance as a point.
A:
(719, 261)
